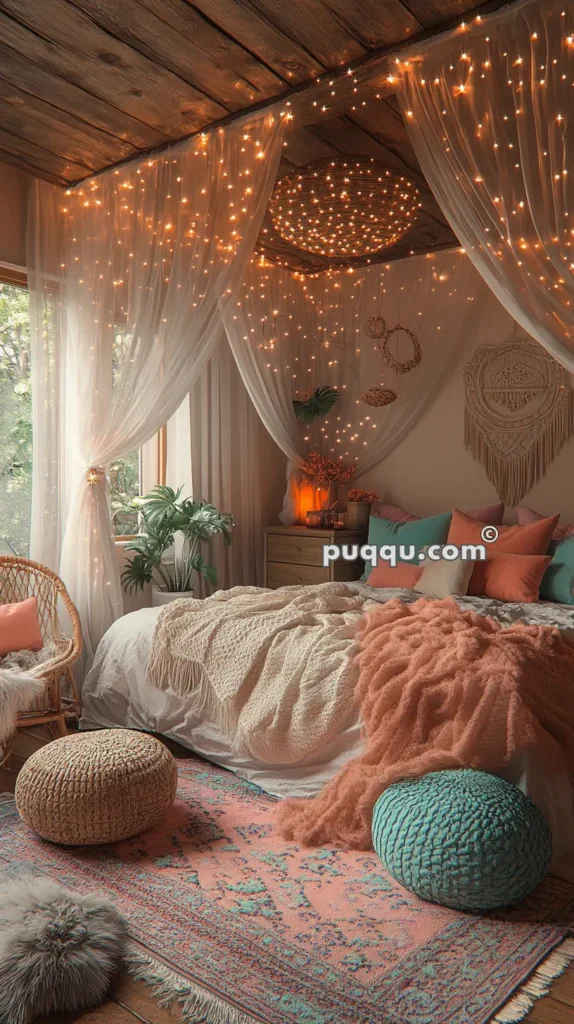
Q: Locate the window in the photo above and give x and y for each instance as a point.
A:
(129, 476)
(15, 420)
(125, 476)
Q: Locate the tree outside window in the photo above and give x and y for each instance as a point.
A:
(16, 433)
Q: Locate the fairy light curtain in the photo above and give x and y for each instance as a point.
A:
(130, 274)
(290, 334)
(489, 112)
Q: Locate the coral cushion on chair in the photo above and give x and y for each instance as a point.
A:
(19, 627)
(508, 577)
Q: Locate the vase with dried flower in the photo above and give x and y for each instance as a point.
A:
(326, 474)
(359, 504)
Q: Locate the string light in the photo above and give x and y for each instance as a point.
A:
(343, 208)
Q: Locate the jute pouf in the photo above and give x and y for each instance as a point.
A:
(96, 787)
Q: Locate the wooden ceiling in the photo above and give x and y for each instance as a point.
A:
(85, 84)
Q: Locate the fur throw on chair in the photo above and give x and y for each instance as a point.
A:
(17, 693)
(58, 949)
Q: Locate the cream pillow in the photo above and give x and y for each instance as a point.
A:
(443, 579)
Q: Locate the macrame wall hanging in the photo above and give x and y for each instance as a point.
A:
(519, 413)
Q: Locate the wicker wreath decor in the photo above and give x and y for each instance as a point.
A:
(378, 396)
(343, 208)
(376, 326)
(396, 365)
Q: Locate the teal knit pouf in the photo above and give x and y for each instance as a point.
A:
(463, 838)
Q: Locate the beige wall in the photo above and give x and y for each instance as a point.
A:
(431, 472)
(13, 209)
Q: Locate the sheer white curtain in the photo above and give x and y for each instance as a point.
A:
(291, 334)
(148, 258)
(489, 113)
(213, 445)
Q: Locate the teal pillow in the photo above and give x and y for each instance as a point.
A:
(420, 533)
(558, 580)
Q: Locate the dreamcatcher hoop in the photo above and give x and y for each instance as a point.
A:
(396, 365)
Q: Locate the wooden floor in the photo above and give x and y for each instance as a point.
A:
(129, 1001)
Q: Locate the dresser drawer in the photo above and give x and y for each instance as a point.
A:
(302, 550)
(281, 574)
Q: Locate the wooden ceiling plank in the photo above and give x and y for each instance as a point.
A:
(65, 134)
(304, 147)
(433, 12)
(193, 25)
(65, 41)
(375, 23)
(314, 27)
(65, 96)
(141, 29)
(331, 93)
(31, 152)
(36, 172)
(289, 60)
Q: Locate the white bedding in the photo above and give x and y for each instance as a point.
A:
(117, 693)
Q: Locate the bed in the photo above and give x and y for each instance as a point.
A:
(117, 693)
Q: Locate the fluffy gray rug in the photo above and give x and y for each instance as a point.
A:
(17, 693)
(58, 949)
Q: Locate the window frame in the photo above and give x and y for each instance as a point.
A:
(160, 475)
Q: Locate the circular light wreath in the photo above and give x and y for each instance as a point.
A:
(343, 208)
(408, 364)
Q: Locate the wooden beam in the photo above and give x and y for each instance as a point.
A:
(176, 50)
(311, 100)
(67, 43)
(37, 81)
(62, 133)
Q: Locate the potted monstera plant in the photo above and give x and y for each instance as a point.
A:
(169, 521)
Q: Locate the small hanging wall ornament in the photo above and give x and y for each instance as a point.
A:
(376, 326)
(396, 365)
(378, 396)
(519, 412)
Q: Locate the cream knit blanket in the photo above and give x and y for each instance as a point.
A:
(274, 669)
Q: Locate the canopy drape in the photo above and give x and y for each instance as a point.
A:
(489, 111)
(129, 275)
(291, 334)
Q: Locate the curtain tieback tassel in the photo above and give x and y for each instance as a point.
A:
(95, 475)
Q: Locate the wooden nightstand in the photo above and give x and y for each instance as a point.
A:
(294, 554)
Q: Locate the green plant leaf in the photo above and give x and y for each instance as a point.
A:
(163, 514)
(317, 406)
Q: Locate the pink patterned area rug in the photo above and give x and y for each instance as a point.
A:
(244, 926)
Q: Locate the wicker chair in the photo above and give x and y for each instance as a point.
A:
(21, 578)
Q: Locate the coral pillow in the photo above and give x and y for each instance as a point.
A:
(401, 575)
(490, 514)
(526, 516)
(509, 577)
(19, 627)
(516, 540)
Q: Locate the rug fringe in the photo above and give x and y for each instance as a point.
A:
(537, 986)
(198, 1005)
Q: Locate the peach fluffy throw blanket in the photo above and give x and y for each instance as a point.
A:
(442, 688)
